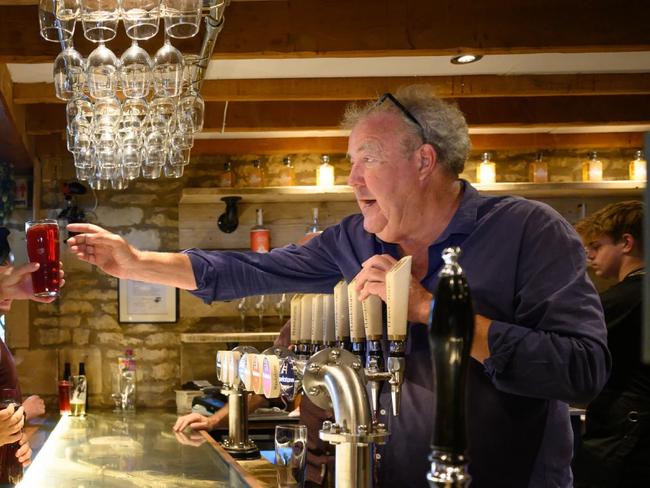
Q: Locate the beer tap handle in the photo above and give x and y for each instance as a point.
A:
(372, 318)
(341, 313)
(329, 332)
(357, 332)
(305, 324)
(296, 301)
(398, 280)
(450, 339)
(317, 322)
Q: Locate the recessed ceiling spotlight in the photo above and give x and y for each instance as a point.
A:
(466, 58)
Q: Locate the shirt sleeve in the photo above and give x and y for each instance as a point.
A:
(557, 347)
(227, 275)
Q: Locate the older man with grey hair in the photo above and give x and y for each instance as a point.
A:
(540, 340)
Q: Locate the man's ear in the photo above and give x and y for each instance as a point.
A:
(428, 160)
(629, 243)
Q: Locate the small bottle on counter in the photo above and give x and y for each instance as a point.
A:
(227, 177)
(79, 393)
(260, 235)
(287, 173)
(64, 391)
(256, 176)
(314, 227)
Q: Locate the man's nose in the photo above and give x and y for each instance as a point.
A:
(355, 178)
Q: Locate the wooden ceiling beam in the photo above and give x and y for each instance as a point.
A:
(54, 144)
(14, 143)
(367, 88)
(307, 28)
(326, 115)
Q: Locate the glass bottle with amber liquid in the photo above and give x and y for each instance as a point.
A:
(287, 173)
(538, 170)
(256, 176)
(227, 177)
(592, 169)
(638, 168)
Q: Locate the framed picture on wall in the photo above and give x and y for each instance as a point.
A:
(146, 302)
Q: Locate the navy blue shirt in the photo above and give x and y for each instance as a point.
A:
(526, 269)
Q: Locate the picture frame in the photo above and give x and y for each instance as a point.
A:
(140, 302)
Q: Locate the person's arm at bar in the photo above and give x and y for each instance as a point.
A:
(197, 421)
(115, 256)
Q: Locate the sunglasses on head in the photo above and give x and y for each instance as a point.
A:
(405, 111)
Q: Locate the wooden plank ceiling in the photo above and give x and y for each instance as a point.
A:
(33, 120)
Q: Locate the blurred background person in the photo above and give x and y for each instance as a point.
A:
(615, 450)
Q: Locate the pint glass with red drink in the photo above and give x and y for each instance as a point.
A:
(43, 248)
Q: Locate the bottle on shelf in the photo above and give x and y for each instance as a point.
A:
(227, 177)
(538, 170)
(126, 380)
(638, 167)
(79, 392)
(287, 173)
(592, 169)
(314, 227)
(260, 235)
(325, 173)
(64, 391)
(256, 176)
(486, 171)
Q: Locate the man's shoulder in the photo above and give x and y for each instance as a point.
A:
(518, 210)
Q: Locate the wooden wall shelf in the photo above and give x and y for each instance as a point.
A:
(223, 337)
(344, 193)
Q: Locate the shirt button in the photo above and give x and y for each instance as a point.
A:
(377, 456)
(382, 411)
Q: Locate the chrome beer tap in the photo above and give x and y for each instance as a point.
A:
(342, 315)
(237, 444)
(357, 330)
(450, 338)
(398, 280)
(335, 379)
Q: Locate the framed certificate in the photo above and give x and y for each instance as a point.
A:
(146, 302)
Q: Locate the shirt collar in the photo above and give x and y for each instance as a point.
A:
(464, 219)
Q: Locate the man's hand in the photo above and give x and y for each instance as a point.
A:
(34, 407)
(371, 280)
(16, 282)
(24, 452)
(197, 421)
(11, 424)
(110, 252)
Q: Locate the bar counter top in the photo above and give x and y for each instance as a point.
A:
(110, 450)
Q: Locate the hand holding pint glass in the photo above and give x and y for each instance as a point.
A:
(43, 248)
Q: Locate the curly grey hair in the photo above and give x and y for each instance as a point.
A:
(443, 124)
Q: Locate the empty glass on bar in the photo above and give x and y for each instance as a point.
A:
(290, 455)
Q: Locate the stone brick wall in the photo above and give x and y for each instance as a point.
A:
(83, 325)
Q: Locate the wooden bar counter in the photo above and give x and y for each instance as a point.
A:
(110, 450)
